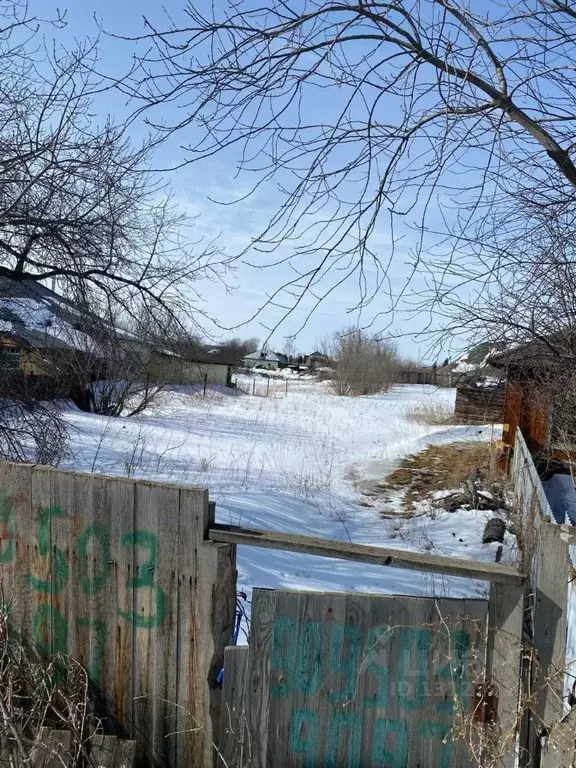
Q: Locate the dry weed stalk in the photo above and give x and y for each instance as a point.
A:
(37, 694)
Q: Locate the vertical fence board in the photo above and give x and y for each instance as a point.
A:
(261, 638)
(550, 633)
(165, 647)
(19, 545)
(193, 508)
(234, 743)
(38, 572)
(69, 492)
(153, 542)
(114, 600)
(506, 616)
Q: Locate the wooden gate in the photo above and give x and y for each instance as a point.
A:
(332, 680)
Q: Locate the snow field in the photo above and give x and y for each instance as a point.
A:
(294, 464)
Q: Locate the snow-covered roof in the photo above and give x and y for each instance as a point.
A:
(36, 317)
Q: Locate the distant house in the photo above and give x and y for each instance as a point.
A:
(270, 361)
(317, 360)
(41, 337)
(53, 349)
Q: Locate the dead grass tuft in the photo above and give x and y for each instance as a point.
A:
(442, 467)
(431, 413)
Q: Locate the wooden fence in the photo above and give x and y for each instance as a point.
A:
(119, 575)
(548, 736)
(480, 405)
(430, 376)
(375, 669)
(371, 680)
(137, 582)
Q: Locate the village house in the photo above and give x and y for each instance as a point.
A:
(270, 361)
(316, 360)
(50, 349)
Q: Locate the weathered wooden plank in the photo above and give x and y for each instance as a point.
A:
(192, 698)
(52, 749)
(258, 690)
(506, 615)
(164, 507)
(550, 632)
(342, 550)
(338, 653)
(115, 500)
(19, 545)
(102, 751)
(112, 752)
(124, 754)
(147, 606)
(293, 681)
(214, 611)
(233, 743)
(352, 697)
(37, 574)
(69, 493)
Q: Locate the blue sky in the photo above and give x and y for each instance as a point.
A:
(197, 185)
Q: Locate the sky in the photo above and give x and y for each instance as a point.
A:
(196, 188)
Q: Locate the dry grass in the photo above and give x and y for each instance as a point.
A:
(442, 467)
(431, 413)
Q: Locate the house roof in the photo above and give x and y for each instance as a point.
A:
(34, 316)
(268, 357)
(30, 338)
(546, 351)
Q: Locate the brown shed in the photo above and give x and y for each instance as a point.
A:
(526, 405)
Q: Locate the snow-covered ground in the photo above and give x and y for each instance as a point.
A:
(294, 463)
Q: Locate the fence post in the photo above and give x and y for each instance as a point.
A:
(205, 384)
(551, 585)
(253, 386)
(504, 655)
(268, 387)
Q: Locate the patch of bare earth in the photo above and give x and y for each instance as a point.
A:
(442, 468)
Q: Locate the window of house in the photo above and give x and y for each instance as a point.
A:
(10, 358)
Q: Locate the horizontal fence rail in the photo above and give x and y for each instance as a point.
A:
(342, 550)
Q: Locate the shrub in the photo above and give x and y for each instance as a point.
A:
(360, 364)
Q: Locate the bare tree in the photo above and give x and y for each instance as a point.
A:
(235, 350)
(80, 208)
(360, 364)
(78, 204)
(374, 117)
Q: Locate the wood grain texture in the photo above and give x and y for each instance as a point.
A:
(52, 750)
(258, 680)
(102, 749)
(343, 550)
(506, 616)
(234, 744)
(348, 680)
(550, 631)
(120, 574)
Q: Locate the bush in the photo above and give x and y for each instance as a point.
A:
(360, 364)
